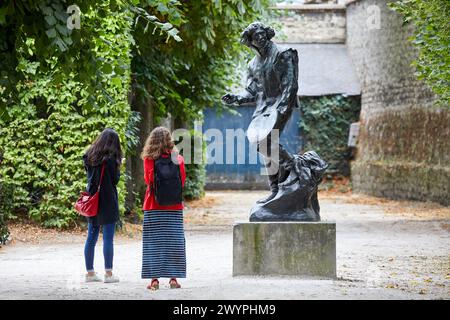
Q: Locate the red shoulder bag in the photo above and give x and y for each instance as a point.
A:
(87, 205)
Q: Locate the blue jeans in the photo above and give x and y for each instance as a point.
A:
(108, 248)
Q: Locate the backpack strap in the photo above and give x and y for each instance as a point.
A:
(152, 185)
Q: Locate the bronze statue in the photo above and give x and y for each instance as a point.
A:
(272, 83)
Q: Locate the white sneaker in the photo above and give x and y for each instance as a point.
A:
(93, 278)
(111, 279)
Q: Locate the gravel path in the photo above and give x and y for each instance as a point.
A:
(379, 256)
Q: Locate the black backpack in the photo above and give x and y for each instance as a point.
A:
(168, 189)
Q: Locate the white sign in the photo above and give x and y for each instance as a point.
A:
(353, 134)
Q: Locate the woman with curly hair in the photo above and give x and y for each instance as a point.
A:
(164, 252)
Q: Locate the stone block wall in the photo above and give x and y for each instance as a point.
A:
(404, 141)
(313, 23)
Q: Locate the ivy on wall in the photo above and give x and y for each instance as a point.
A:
(324, 126)
(432, 39)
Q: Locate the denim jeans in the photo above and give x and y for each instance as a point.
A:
(108, 248)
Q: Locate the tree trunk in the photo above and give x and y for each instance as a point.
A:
(135, 170)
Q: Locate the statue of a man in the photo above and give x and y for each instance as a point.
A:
(272, 83)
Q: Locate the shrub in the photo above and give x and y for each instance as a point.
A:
(194, 187)
(324, 125)
(6, 205)
(57, 107)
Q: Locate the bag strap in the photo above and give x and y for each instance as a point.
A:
(101, 176)
(152, 185)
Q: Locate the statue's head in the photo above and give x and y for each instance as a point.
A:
(257, 35)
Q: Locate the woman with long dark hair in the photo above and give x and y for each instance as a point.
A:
(104, 154)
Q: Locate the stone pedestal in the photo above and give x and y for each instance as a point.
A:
(305, 249)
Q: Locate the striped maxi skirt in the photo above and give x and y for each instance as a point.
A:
(164, 245)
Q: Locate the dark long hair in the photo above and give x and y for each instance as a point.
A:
(107, 145)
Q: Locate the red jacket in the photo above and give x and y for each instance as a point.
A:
(150, 201)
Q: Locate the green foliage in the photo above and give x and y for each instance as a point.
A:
(59, 88)
(432, 39)
(57, 106)
(195, 171)
(324, 124)
(183, 77)
(6, 204)
(194, 153)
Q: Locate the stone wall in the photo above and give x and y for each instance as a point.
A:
(404, 142)
(312, 23)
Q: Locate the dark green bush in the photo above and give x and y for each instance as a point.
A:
(324, 125)
(194, 187)
(6, 206)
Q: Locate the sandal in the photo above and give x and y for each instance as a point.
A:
(174, 284)
(154, 285)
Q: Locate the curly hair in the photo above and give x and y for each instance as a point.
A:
(158, 142)
(246, 35)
